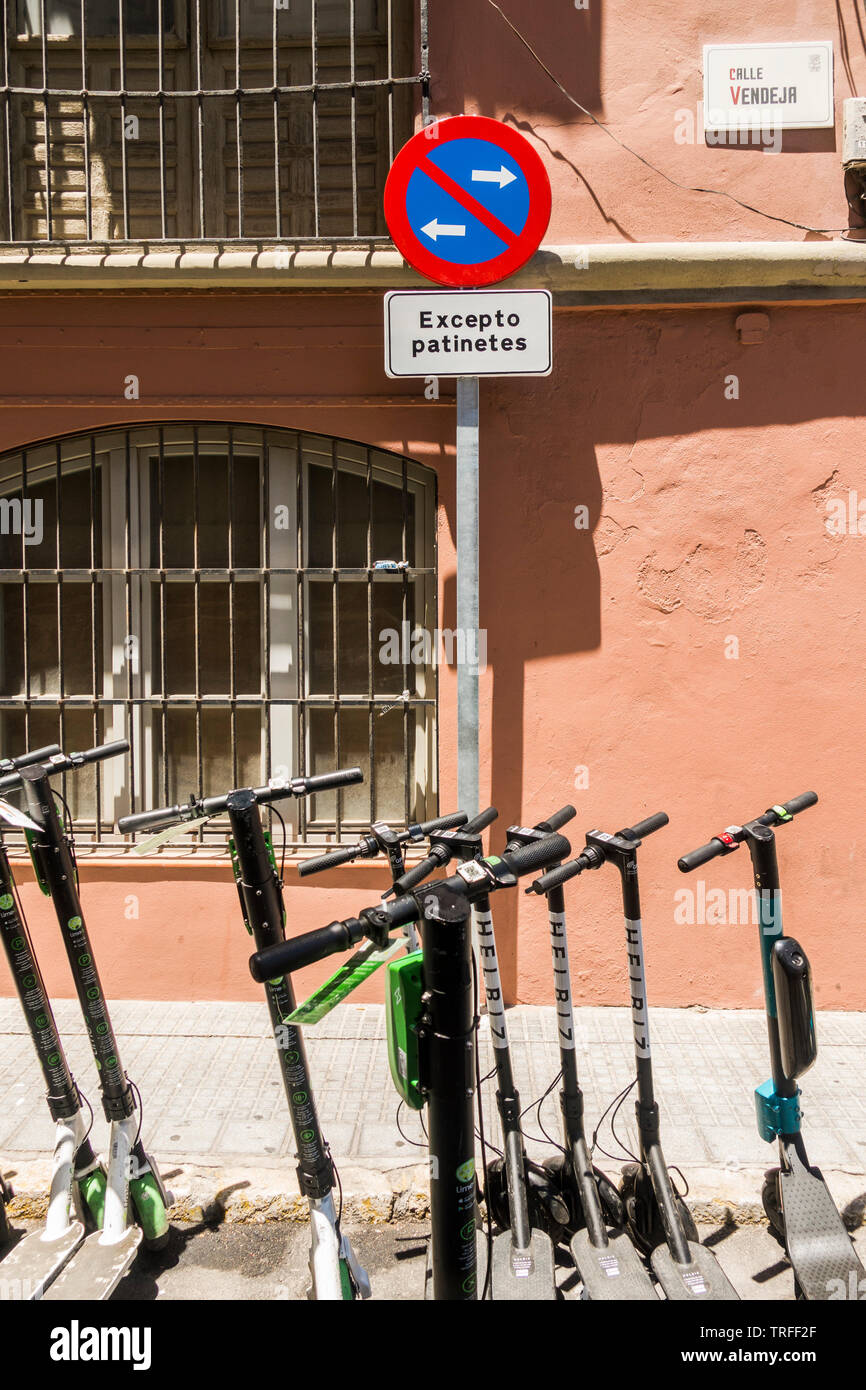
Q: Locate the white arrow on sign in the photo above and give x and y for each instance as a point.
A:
(502, 176)
(436, 229)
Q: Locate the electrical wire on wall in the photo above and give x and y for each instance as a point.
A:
(675, 183)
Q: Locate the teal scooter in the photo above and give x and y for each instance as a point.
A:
(798, 1205)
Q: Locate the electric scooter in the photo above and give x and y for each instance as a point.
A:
(382, 839)
(76, 1199)
(335, 1271)
(609, 1266)
(133, 1184)
(658, 1219)
(799, 1208)
(519, 1195)
(439, 1034)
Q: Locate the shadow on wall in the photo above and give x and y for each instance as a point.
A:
(469, 58)
(540, 592)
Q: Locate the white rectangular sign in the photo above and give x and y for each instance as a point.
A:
(468, 333)
(768, 86)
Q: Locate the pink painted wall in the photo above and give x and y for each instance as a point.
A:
(638, 69)
(606, 647)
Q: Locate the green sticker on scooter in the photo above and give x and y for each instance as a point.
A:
(6, 901)
(347, 979)
(74, 923)
(466, 1171)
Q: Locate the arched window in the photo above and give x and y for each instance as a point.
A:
(236, 601)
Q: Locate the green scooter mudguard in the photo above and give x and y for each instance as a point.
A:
(404, 988)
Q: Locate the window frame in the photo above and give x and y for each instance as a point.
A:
(127, 700)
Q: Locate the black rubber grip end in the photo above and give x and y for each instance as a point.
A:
(538, 855)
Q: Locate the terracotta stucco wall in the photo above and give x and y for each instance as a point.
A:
(609, 648)
(638, 70)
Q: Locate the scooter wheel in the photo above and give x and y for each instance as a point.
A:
(611, 1200)
(5, 1228)
(638, 1211)
(771, 1201)
(496, 1196)
(150, 1210)
(690, 1230)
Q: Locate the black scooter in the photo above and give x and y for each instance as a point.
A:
(444, 1027)
(658, 1219)
(608, 1263)
(799, 1208)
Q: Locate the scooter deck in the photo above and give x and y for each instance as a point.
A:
(612, 1271)
(703, 1277)
(824, 1261)
(34, 1262)
(524, 1276)
(97, 1269)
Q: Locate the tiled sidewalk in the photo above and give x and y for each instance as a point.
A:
(212, 1094)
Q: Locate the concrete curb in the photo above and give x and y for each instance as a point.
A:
(237, 1194)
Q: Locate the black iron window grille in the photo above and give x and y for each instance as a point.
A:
(204, 120)
(228, 598)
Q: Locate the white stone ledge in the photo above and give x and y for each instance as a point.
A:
(607, 272)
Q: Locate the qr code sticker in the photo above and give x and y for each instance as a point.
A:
(815, 62)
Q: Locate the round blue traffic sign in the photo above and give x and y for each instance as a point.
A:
(467, 201)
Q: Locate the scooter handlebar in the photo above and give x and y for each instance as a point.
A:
(717, 846)
(696, 857)
(369, 847)
(278, 960)
(452, 822)
(537, 855)
(36, 755)
(560, 817)
(322, 782)
(646, 827)
(57, 761)
(561, 874)
(286, 956)
(801, 802)
(440, 854)
(163, 816)
(345, 855)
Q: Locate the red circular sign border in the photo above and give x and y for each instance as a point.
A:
(512, 258)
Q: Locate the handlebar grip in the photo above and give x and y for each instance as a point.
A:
(66, 763)
(801, 802)
(481, 821)
(286, 956)
(560, 817)
(103, 751)
(537, 855)
(36, 755)
(554, 877)
(327, 781)
(457, 818)
(703, 855)
(647, 827)
(407, 881)
(330, 861)
(151, 820)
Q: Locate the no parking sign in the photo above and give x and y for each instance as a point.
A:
(467, 201)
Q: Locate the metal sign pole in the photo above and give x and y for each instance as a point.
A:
(468, 637)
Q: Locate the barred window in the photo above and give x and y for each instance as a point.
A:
(211, 593)
(186, 120)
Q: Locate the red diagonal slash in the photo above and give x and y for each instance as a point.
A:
(467, 202)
